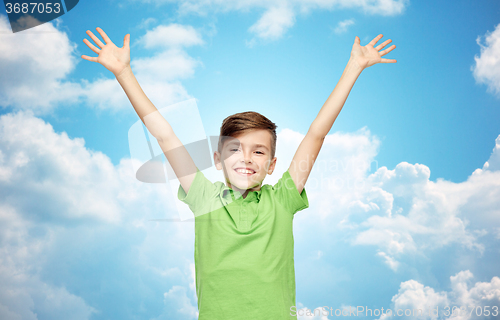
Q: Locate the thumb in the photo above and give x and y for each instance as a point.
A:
(126, 41)
(356, 40)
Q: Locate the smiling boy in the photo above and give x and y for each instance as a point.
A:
(243, 229)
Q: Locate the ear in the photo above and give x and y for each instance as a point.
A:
(272, 166)
(218, 164)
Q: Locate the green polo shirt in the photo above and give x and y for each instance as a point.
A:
(244, 249)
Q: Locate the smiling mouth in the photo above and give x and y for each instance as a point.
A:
(244, 172)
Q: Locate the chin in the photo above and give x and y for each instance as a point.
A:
(245, 186)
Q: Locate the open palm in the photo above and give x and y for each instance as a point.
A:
(110, 56)
(366, 56)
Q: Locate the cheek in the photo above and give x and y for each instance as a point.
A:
(229, 159)
(264, 164)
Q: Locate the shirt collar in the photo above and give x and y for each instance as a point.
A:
(226, 192)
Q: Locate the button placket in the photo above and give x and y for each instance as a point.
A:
(243, 215)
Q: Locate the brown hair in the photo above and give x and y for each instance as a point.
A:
(244, 122)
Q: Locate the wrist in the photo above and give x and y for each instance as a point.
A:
(354, 66)
(124, 73)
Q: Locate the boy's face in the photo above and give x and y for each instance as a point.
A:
(250, 150)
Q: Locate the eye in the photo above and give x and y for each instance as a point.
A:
(234, 150)
(260, 152)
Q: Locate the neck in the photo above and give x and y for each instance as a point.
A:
(243, 192)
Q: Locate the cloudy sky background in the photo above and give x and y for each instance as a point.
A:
(404, 198)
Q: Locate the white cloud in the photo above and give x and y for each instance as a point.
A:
(413, 295)
(339, 172)
(23, 295)
(487, 68)
(72, 222)
(382, 7)
(178, 305)
(343, 25)
(400, 212)
(33, 66)
(172, 35)
(44, 165)
(168, 65)
(145, 22)
(430, 214)
(415, 301)
(274, 22)
(493, 163)
(390, 261)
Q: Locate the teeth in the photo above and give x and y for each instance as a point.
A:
(244, 171)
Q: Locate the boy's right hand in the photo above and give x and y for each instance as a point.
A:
(110, 56)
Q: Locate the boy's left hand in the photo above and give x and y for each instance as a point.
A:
(368, 55)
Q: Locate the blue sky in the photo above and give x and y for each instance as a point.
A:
(419, 140)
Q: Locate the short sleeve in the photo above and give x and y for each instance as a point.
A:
(200, 194)
(287, 194)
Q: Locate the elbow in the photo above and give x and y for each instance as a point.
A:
(162, 138)
(316, 135)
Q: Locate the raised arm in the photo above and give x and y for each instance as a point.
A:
(308, 150)
(117, 60)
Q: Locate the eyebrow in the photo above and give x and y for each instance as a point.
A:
(258, 145)
(261, 146)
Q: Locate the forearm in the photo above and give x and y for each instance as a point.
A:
(147, 112)
(333, 105)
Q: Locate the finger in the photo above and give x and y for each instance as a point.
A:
(104, 35)
(356, 40)
(96, 40)
(386, 51)
(93, 59)
(382, 45)
(126, 41)
(388, 60)
(91, 46)
(375, 40)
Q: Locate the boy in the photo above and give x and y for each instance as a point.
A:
(243, 230)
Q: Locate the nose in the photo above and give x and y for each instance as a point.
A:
(247, 157)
